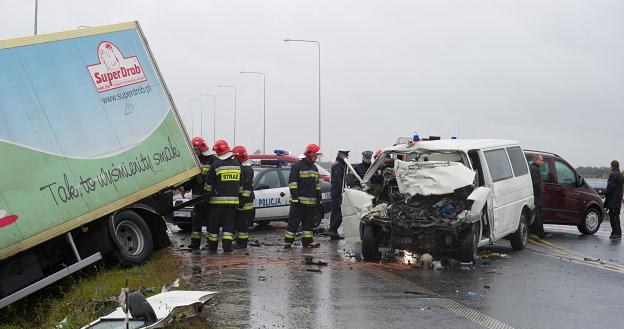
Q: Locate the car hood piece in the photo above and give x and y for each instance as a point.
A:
(431, 177)
(166, 305)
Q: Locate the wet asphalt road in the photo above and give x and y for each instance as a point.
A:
(564, 281)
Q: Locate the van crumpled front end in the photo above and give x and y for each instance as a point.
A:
(425, 206)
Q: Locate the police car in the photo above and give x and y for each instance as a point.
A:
(272, 195)
(271, 191)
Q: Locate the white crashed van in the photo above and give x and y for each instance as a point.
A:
(443, 196)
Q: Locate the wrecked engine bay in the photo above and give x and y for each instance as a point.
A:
(422, 205)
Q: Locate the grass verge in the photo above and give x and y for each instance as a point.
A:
(77, 300)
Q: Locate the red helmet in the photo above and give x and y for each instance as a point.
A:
(312, 149)
(221, 147)
(377, 154)
(240, 153)
(200, 144)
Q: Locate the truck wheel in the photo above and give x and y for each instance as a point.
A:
(185, 228)
(133, 239)
(370, 243)
(468, 249)
(520, 238)
(591, 222)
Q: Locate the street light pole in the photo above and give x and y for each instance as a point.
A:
(263, 107)
(201, 116)
(36, 14)
(233, 87)
(319, 80)
(214, 116)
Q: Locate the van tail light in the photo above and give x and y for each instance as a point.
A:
(326, 178)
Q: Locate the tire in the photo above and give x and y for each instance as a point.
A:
(591, 222)
(185, 228)
(318, 219)
(520, 238)
(133, 239)
(468, 249)
(370, 243)
(262, 225)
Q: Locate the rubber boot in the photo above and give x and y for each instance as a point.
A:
(227, 245)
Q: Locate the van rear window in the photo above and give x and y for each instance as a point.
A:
(518, 162)
(498, 164)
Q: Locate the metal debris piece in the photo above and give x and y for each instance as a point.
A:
(309, 260)
(437, 265)
(315, 270)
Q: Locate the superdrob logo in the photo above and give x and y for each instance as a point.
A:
(114, 70)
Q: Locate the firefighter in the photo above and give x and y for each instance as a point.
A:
(223, 183)
(201, 211)
(305, 193)
(245, 208)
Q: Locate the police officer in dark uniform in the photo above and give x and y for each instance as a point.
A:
(305, 194)
(362, 167)
(201, 211)
(223, 182)
(338, 175)
(245, 208)
(613, 199)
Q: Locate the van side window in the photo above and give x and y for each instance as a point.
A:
(517, 161)
(565, 174)
(498, 164)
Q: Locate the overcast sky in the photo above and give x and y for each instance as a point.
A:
(549, 74)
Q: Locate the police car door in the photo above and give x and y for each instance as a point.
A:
(271, 196)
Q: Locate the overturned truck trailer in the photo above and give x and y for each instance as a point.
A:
(91, 144)
(447, 197)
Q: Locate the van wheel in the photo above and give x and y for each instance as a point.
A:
(370, 243)
(591, 222)
(468, 249)
(133, 239)
(520, 238)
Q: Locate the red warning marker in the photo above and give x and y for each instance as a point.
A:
(7, 220)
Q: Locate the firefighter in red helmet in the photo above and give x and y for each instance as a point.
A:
(245, 208)
(201, 211)
(305, 194)
(223, 182)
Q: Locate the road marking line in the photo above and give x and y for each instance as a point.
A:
(564, 253)
(447, 303)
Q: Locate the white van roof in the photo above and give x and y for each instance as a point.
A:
(452, 144)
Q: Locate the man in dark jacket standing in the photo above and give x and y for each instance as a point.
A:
(613, 199)
(536, 177)
(338, 173)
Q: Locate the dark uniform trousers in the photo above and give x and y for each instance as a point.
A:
(221, 217)
(336, 214)
(243, 219)
(300, 215)
(201, 216)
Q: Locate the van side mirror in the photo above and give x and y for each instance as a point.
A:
(580, 181)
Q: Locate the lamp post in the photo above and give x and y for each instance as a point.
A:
(36, 14)
(201, 116)
(319, 79)
(263, 107)
(233, 87)
(214, 116)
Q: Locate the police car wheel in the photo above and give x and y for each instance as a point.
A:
(262, 225)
